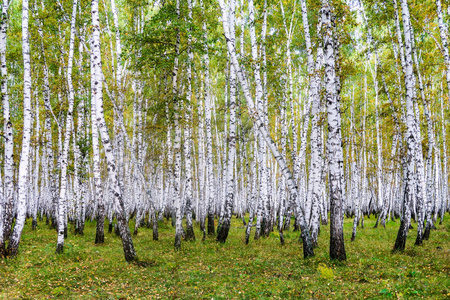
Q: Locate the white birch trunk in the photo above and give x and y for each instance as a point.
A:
(335, 152)
(263, 197)
(6, 205)
(130, 254)
(316, 153)
(222, 231)
(177, 142)
(445, 161)
(188, 133)
(36, 170)
(207, 117)
(13, 246)
(410, 134)
(67, 135)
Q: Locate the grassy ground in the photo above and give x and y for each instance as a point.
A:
(261, 270)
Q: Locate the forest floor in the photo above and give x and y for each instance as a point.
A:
(264, 269)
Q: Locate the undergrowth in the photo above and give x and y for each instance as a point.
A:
(264, 269)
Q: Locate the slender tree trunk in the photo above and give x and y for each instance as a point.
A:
(335, 152)
(99, 197)
(402, 234)
(262, 159)
(445, 161)
(6, 204)
(177, 143)
(36, 170)
(443, 30)
(13, 246)
(207, 117)
(420, 193)
(67, 135)
(187, 135)
(128, 247)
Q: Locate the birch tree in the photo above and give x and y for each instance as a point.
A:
(334, 146)
(410, 133)
(6, 204)
(13, 245)
(67, 135)
(222, 232)
(97, 98)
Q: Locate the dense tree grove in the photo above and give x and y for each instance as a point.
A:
(288, 115)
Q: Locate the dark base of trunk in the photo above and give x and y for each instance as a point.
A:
(211, 229)
(266, 228)
(155, 230)
(281, 237)
(100, 234)
(308, 247)
(376, 223)
(222, 232)
(419, 240)
(337, 250)
(177, 242)
(296, 227)
(110, 227)
(337, 245)
(400, 242)
(2, 250)
(65, 231)
(135, 231)
(263, 227)
(190, 235)
(13, 249)
(81, 228)
(34, 225)
(59, 248)
(353, 237)
(257, 234)
(426, 234)
(53, 225)
(99, 239)
(411, 227)
(7, 230)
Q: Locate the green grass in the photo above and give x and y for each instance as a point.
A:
(261, 270)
